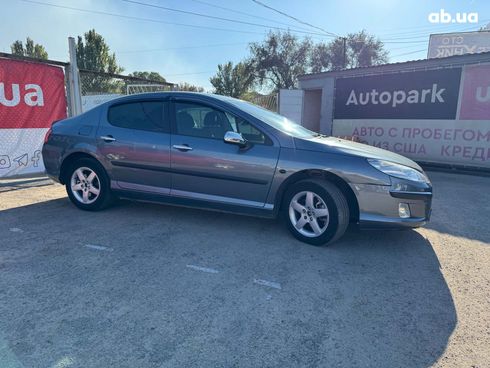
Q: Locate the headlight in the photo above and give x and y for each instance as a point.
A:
(398, 171)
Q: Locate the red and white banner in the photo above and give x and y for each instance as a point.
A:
(32, 97)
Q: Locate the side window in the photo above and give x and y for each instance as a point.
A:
(200, 121)
(141, 115)
(248, 131)
(203, 121)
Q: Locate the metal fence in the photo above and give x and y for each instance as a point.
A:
(268, 102)
(99, 83)
(98, 87)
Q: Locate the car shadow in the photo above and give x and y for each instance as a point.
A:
(8, 185)
(373, 299)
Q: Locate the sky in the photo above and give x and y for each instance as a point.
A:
(187, 48)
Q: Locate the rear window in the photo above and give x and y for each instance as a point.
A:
(140, 115)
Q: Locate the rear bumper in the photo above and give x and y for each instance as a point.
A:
(51, 162)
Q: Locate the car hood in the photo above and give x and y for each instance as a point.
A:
(337, 145)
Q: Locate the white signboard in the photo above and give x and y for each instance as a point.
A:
(449, 44)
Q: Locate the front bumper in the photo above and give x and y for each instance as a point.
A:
(379, 204)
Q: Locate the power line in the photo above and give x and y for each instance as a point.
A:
(409, 53)
(404, 41)
(245, 13)
(414, 28)
(404, 47)
(425, 34)
(183, 47)
(435, 28)
(216, 17)
(176, 75)
(294, 18)
(415, 38)
(384, 41)
(138, 18)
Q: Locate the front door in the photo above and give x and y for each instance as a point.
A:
(205, 167)
(134, 139)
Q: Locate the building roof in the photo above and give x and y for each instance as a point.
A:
(450, 61)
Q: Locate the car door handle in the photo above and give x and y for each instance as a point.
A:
(182, 147)
(108, 138)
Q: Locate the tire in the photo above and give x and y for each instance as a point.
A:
(94, 192)
(330, 211)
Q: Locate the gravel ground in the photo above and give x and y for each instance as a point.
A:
(143, 285)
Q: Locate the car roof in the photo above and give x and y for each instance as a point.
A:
(198, 95)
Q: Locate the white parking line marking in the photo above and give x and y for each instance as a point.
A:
(16, 230)
(98, 247)
(203, 269)
(64, 362)
(271, 284)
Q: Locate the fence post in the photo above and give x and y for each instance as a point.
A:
(74, 93)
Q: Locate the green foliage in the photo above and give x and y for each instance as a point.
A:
(154, 76)
(94, 54)
(30, 50)
(279, 59)
(190, 87)
(361, 50)
(234, 81)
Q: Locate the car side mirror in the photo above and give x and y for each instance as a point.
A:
(235, 138)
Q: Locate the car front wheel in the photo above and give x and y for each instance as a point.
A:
(316, 211)
(88, 186)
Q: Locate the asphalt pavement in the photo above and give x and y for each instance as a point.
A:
(144, 285)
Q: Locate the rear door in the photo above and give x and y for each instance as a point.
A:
(204, 167)
(134, 139)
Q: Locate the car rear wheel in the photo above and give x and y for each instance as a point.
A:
(88, 186)
(316, 211)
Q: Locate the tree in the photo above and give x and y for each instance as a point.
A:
(231, 80)
(361, 50)
(94, 54)
(279, 59)
(154, 76)
(31, 50)
(184, 86)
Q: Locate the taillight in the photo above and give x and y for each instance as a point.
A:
(48, 133)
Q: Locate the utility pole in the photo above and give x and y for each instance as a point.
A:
(75, 96)
(344, 50)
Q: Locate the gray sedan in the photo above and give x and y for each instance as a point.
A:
(219, 153)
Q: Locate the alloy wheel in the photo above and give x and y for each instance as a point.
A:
(309, 214)
(85, 185)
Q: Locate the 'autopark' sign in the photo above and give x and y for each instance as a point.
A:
(428, 95)
(32, 96)
(440, 116)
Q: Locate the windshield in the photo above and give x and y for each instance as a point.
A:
(276, 121)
